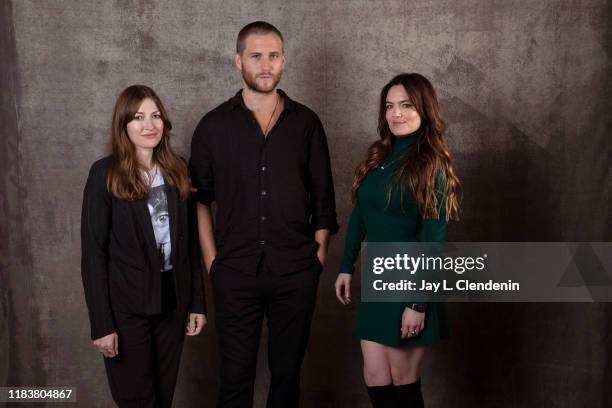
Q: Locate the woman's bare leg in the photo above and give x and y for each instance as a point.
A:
(405, 363)
(376, 368)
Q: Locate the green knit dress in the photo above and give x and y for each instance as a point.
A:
(399, 222)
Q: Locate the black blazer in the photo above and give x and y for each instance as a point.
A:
(120, 265)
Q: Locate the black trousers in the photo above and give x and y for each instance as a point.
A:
(144, 373)
(241, 301)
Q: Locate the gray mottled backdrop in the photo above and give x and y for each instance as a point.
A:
(525, 88)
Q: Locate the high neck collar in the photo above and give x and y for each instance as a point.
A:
(401, 142)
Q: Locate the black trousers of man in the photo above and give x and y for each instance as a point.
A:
(241, 301)
(144, 373)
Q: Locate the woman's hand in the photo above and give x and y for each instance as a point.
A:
(195, 324)
(343, 288)
(108, 345)
(413, 323)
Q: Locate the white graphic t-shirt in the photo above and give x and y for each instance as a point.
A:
(158, 208)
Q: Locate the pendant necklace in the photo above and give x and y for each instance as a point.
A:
(272, 115)
(385, 165)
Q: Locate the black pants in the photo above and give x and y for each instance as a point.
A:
(240, 303)
(144, 373)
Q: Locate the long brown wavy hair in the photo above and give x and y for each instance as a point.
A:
(126, 178)
(425, 162)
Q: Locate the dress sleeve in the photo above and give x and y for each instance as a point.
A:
(433, 230)
(355, 234)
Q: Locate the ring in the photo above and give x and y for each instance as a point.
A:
(412, 332)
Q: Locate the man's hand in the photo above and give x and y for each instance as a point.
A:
(195, 324)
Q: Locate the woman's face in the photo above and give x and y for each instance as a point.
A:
(401, 116)
(145, 130)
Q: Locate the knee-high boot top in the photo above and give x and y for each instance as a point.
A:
(409, 395)
(383, 396)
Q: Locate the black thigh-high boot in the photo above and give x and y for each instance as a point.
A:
(382, 396)
(409, 395)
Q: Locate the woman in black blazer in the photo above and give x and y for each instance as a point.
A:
(140, 255)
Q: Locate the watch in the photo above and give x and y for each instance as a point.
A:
(419, 308)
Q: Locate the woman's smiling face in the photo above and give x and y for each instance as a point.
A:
(401, 115)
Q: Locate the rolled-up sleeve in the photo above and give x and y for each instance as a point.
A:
(200, 166)
(322, 197)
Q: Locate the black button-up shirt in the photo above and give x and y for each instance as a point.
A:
(272, 193)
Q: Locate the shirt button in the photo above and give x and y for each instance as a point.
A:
(263, 217)
(263, 168)
(262, 242)
(264, 192)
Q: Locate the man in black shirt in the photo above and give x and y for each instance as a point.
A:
(263, 159)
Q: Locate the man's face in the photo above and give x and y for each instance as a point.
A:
(262, 61)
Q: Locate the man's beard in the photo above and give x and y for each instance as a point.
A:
(251, 82)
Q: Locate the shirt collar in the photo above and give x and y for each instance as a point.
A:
(237, 100)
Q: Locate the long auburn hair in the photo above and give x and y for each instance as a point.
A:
(427, 160)
(126, 178)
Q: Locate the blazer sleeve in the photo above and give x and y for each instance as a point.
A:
(198, 300)
(95, 230)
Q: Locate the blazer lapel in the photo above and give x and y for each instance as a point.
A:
(144, 218)
(172, 197)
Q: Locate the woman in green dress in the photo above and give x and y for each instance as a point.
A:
(404, 191)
